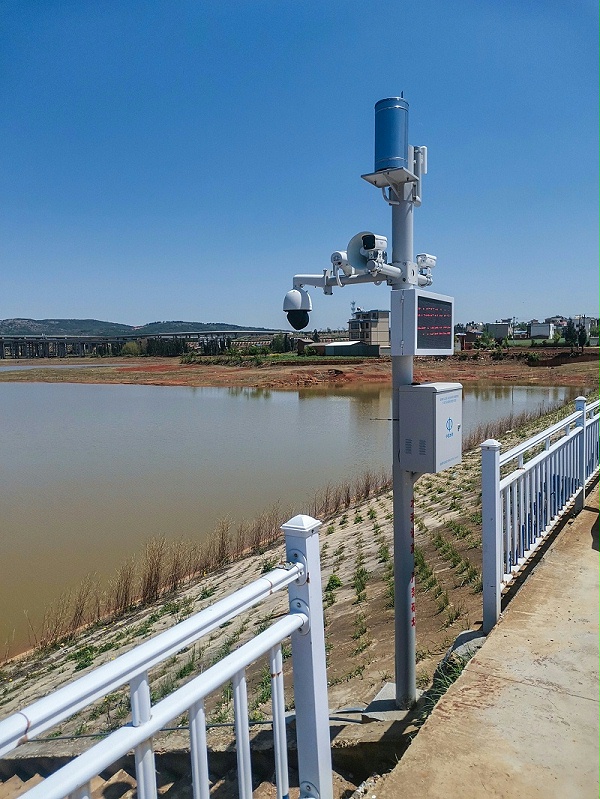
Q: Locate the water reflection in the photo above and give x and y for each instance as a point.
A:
(486, 403)
(252, 392)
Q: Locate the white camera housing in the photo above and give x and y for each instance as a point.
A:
(365, 250)
(426, 261)
(297, 304)
(371, 242)
(297, 300)
(339, 259)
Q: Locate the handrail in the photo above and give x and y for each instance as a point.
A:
(68, 700)
(521, 508)
(521, 449)
(539, 458)
(592, 406)
(81, 770)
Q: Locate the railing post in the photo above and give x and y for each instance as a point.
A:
(491, 533)
(308, 655)
(242, 734)
(282, 779)
(199, 751)
(581, 424)
(141, 710)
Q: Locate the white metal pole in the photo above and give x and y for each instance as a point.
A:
(581, 423)
(308, 659)
(141, 710)
(403, 481)
(199, 750)
(491, 533)
(242, 734)
(279, 729)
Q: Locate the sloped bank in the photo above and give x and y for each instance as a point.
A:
(357, 575)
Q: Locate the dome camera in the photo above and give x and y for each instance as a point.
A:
(297, 304)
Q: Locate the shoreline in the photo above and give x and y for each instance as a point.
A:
(286, 374)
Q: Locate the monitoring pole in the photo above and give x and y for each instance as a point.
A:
(398, 171)
(403, 481)
(426, 419)
(397, 174)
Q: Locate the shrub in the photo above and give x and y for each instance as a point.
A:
(131, 348)
(268, 564)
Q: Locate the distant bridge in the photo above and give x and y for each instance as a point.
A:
(63, 346)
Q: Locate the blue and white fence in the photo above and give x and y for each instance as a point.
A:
(526, 491)
(304, 623)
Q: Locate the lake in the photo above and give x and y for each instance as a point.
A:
(90, 472)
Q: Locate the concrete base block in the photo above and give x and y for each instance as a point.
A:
(383, 707)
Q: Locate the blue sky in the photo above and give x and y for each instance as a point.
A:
(182, 160)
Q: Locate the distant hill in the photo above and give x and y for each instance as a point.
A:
(94, 327)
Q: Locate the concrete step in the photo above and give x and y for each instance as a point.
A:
(15, 786)
(174, 782)
(11, 787)
(120, 786)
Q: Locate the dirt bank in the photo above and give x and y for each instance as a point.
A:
(286, 374)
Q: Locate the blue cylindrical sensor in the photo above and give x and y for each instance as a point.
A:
(391, 134)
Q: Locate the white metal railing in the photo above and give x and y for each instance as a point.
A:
(304, 623)
(591, 453)
(525, 492)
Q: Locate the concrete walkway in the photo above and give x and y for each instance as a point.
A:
(522, 719)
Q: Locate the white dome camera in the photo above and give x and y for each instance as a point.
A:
(297, 304)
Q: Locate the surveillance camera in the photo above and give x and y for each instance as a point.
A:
(340, 261)
(365, 251)
(426, 261)
(297, 304)
(370, 242)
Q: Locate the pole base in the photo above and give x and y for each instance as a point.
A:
(383, 707)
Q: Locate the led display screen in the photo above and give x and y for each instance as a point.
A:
(434, 324)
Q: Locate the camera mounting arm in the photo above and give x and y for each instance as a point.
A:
(331, 278)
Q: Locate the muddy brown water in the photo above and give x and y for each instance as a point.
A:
(89, 473)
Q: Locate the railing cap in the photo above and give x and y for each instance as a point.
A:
(301, 525)
(491, 443)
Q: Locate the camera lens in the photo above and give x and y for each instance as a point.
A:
(298, 319)
(368, 241)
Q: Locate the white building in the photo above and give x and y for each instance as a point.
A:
(543, 330)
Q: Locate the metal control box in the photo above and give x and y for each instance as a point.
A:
(430, 427)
